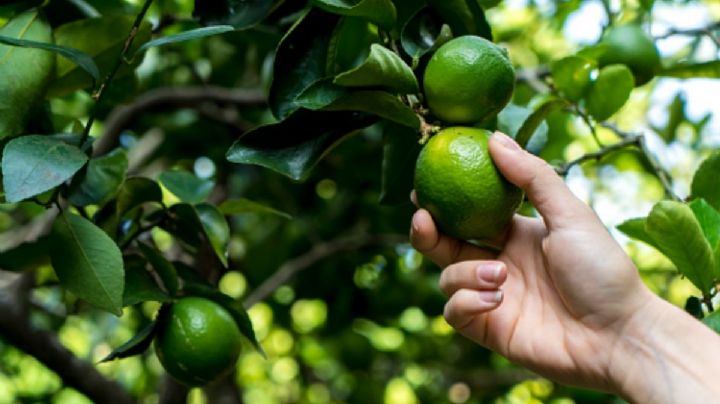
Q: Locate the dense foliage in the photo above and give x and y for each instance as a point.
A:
(260, 154)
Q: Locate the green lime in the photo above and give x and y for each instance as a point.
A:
(458, 183)
(197, 341)
(468, 79)
(630, 45)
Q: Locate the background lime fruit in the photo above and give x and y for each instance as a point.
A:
(469, 79)
(198, 341)
(630, 45)
(458, 183)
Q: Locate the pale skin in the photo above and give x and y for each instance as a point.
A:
(563, 299)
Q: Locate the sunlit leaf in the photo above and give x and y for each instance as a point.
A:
(678, 235)
(82, 59)
(709, 220)
(706, 181)
(87, 262)
(609, 92)
(635, 228)
(186, 186)
(511, 119)
(530, 125)
(571, 75)
(24, 72)
(34, 164)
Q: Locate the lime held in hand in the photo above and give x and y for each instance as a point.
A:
(458, 183)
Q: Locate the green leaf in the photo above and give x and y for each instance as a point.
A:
(571, 76)
(186, 185)
(381, 12)
(400, 151)
(231, 207)
(676, 116)
(188, 35)
(87, 262)
(25, 72)
(383, 68)
(136, 191)
(511, 119)
(164, 268)
(301, 59)
(349, 44)
(135, 346)
(238, 13)
(716, 258)
(609, 92)
(242, 319)
(706, 182)
(690, 70)
(26, 256)
(635, 228)
(82, 59)
(693, 306)
(708, 218)
(34, 164)
(139, 283)
(321, 94)
(102, 38)
(283, 148)
(536, 118)
(101, 179)
(465, 17)
(424, 33)
(216, 229)
(378, 103)
(678, 235)
(712, 320)
(185, 224)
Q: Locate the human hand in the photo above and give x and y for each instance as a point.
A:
(558, 297)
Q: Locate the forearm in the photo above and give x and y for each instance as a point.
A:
(667, 356)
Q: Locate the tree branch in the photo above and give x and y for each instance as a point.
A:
(317, 253)
(16, 328)
(708, 30)
(599, 154)
(170, 97)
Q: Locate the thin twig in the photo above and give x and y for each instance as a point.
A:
(317, 253)
(599, 154)
(708, 31)
(589, 124)
(98, 96)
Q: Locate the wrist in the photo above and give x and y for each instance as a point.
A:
(663, 355)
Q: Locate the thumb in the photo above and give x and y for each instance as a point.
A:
(545, 189)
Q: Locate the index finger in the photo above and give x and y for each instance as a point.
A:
(441, 249)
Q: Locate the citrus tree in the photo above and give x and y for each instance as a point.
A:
(218, 191)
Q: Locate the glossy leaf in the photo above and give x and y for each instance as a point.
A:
(400, 151)
(609, 92)
(283, 148)
(216, 229)
(184, 36)
(82, 59)
(87, 262)
(709, 220)
(706, 181)
(378, 103)
(29, 70)
(635, 228)
(231, 207)
(136, 191)
(464, 17)
(686, 70)
(236, 309)
(678, 235)
(424, 33)
(34, 164)
(238, 13)
(186, 186)
(383, 68)
(571, 75)
(140, 286)
(103, 38)
(321, 94)
(26, 256)
(300, 60)
(164, 268)
(511, 119)
(531, 124)
(101, 179)
(349, 44)
(381, 12)
(135, 346)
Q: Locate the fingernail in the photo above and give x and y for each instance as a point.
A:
(489, 272)
(415, 223)
(490, 296)
(506, 141)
